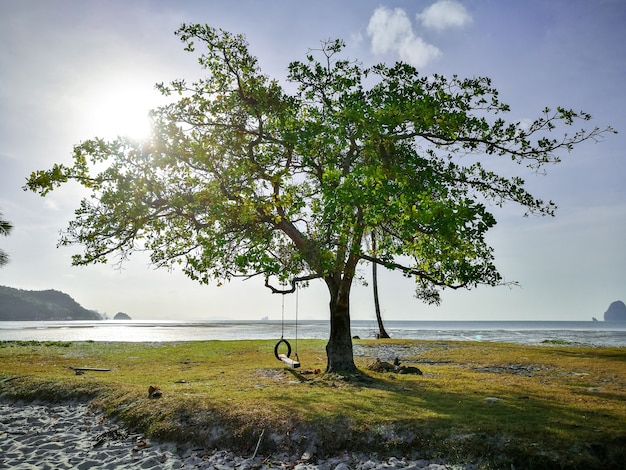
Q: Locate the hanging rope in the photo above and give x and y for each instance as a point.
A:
(286, 357)
(282, 319)
(296, 338)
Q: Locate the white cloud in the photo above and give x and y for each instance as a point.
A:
(417, 52)
(391, 31)
(444, 14)
(387, 28)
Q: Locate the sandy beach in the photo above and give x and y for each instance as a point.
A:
(73, 435)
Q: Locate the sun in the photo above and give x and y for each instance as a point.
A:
(121, 109)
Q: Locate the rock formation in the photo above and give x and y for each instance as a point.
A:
(121, 316)
(616, 312)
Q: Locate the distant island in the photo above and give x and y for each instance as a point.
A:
(46, 305)
(122, 316)
(616, 312)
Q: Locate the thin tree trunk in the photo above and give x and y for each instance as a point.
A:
(382, 333)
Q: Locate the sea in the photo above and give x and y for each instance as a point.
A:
(596, 333)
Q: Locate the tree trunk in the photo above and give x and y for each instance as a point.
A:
(382, 333)
(339, 348)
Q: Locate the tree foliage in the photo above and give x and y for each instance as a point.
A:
(242, 178)
(5, 229)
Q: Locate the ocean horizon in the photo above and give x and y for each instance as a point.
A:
(593, 333)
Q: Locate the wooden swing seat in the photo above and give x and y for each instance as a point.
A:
(290, 362)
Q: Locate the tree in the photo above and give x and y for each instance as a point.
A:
(242, 179)
(382, 333)
(5, 229)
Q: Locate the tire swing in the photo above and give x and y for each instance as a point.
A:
(294, 364)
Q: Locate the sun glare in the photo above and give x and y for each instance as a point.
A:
(121, 111)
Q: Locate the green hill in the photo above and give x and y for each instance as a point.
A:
(22, 305)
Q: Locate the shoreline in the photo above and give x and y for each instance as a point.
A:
(595, 334)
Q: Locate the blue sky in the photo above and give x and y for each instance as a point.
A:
(71, 70)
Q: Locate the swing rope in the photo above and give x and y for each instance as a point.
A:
(296, 338)
(285, 357)
(282, 319)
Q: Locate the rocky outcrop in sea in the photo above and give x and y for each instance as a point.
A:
(616, 312)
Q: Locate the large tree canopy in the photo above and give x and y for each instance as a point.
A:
(241, 178)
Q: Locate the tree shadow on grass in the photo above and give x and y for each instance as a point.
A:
(505, 424)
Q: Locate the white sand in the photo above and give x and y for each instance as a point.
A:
(73, 436)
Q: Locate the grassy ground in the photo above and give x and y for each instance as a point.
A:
(499, 404)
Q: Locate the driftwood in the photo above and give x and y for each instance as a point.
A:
(10, 379)
(90, 369)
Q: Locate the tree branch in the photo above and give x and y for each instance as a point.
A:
(294, 281)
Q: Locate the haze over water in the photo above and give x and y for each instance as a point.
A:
(522, 332)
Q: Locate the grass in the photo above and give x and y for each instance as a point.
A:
(547, 406)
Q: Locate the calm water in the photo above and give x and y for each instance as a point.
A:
(524, 332)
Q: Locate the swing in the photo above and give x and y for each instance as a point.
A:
(294, 364)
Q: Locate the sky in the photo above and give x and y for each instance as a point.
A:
(71, 70)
